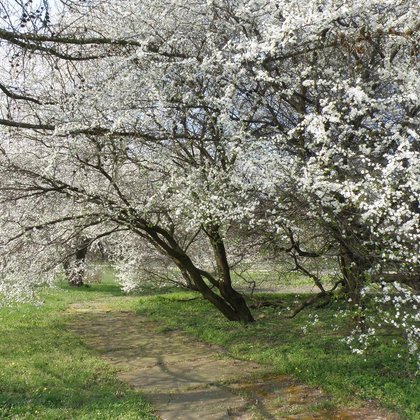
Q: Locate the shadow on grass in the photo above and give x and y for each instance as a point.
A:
(152, 290)
(109, 286)
(69, 399)
(310, 347)
(47, 373)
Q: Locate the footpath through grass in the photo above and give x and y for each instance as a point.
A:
(310, 351)
(47, 373)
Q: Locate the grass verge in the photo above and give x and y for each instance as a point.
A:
(47, 373)
(306, 347)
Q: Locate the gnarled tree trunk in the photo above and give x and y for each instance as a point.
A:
(228, 301)
(353, 269)
(75, 268)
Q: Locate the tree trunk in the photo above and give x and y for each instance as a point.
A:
(189, 282)
(75, 270)
(235, 299)
(354, 274)
(230, 303)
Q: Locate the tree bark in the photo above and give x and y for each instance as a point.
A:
(75, 270)
(229, 302)
(354, 274)
(235, 299)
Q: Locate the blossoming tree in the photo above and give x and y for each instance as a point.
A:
(170, 123)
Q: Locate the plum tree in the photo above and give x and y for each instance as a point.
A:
(177, 123)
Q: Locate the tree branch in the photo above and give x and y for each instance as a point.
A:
(16, 96)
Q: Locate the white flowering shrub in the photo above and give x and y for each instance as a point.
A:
(178, 125)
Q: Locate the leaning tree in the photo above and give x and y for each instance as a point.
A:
(178, 121)
(145, 145)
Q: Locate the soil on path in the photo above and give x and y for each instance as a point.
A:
(187, 379)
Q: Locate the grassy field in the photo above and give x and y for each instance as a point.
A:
(47, 373)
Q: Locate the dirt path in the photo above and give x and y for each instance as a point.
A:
(186, 379)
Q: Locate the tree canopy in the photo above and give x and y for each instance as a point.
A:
(215, 132)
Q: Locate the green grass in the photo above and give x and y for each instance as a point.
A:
(46, 371)
(271, 278)
(317, 358)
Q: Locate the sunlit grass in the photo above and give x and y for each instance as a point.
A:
(318, 357)
(46, 371)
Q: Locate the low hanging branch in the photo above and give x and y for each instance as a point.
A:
(312, 299)
(17, 96)
(29, 126)
(36, 42)
(92, 131)
(266, 303)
